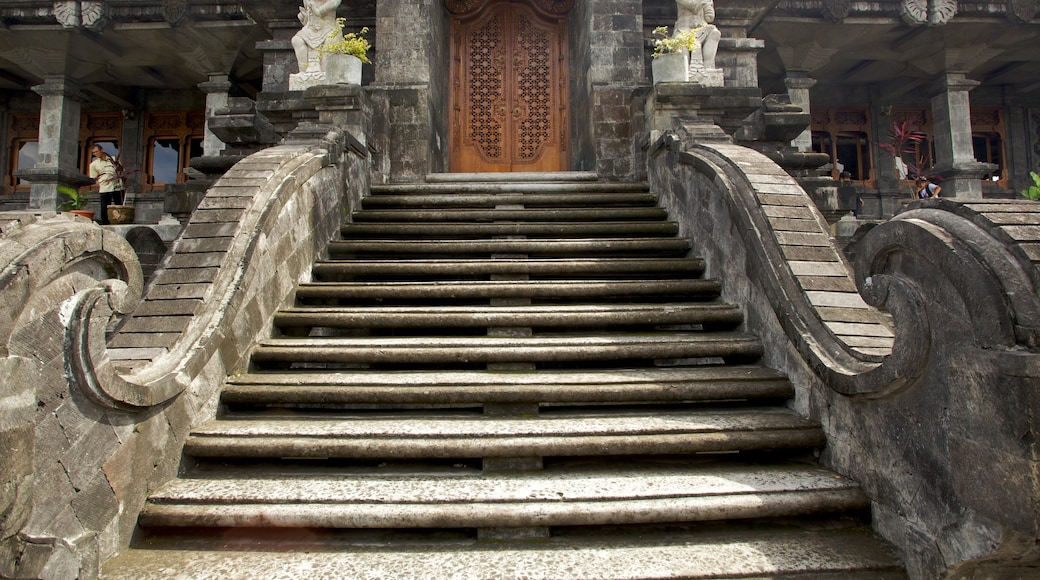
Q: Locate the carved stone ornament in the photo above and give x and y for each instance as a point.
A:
(919, 12)
(173, 11)
(1021, 10)
(548, 6)
(462, 6)
(80, 14)
(836, 10)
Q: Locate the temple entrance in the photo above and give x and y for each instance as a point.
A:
(509, 89)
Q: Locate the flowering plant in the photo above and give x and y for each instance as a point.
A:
(349, 43)
(665, 44)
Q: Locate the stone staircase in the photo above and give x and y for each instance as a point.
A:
(524, 379)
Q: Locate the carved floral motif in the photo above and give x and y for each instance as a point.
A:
(1021, 10)
(836, 10)
(936, 12)
(80, 13)
(173, 11)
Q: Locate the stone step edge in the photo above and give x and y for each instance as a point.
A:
(511, 515)
(757, 553)
(504, 316)
(517, 176)
(288, 392)
(550, 378)
(478, 445)
(439, 349)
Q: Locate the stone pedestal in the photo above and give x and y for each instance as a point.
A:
(699, 113)
(951, 129)
(58, 155)
(705, 77)
(342, 107)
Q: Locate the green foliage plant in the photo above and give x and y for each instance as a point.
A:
(354, 44)
(1033, 191)
(76, 200)
(666, 44)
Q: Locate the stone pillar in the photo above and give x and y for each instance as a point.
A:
(58, 159)
(216, 89)
(738, 59)
(798, 85)
(408, 96)
(613, 30)
(951, 128)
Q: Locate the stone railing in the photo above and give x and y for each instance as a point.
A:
(104, 378)
(921, 363)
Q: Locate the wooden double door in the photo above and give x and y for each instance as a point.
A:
(509, 90)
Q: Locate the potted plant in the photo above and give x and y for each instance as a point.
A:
(344, 53)
(75, 203)
(671, 56)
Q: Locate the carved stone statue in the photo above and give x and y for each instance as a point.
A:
(319, 20)
(700, 14)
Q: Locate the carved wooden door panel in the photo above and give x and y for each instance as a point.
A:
(509, 88)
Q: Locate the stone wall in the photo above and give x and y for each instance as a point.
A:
(942, 432)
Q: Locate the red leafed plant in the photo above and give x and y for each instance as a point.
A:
(905, 140)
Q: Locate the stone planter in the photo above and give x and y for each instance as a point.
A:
(672, 67)
(342, 69)
(120, 214)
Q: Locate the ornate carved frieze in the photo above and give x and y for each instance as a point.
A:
(931, 12)
(88, 14)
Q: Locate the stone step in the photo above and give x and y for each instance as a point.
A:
(462, 185)
(702, 552)
(466, 435)
(662, 385)
(491, 215)
(495, 349)
(547, 267)
(531, 229)
(563, 177)
(615, 316)
(619, 496)
(553, 247)
(526, 289)
(492, 200)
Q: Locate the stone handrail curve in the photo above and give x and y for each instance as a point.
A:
(28, 250)
(951, 240)
(961, 241)
(164, 377)
(742, 175)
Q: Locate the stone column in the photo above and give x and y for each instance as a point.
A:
(216, 89)
(58, 159)
(951, 128)
(410, 89)
(798, 85)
